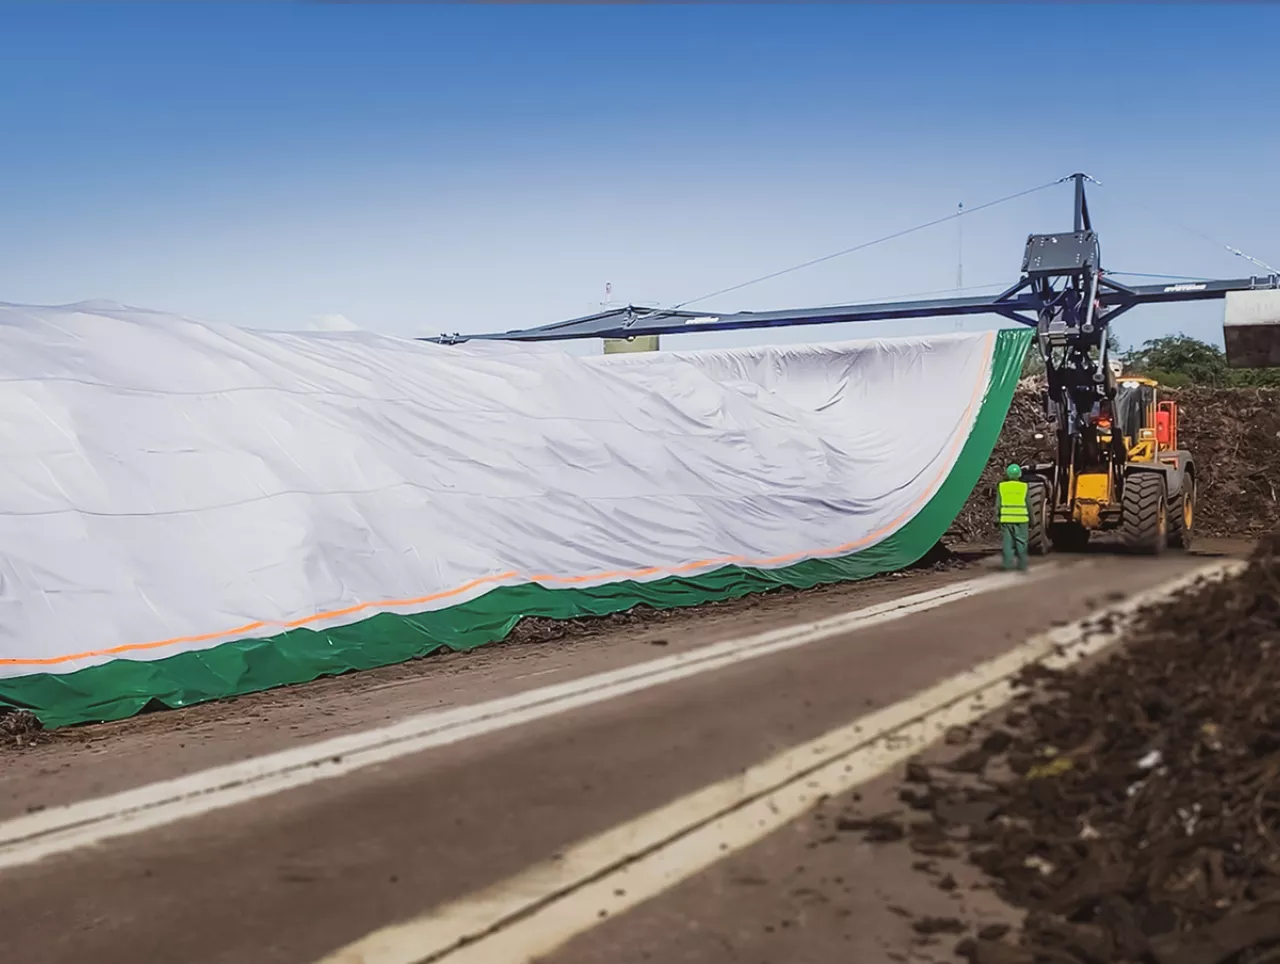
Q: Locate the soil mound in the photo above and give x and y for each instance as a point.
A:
(1133, 809)
(1233, 433)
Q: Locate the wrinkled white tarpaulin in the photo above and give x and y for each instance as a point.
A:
(171, 487)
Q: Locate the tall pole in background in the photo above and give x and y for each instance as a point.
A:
(959, 253)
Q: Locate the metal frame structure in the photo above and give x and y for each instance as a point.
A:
(1063, 293)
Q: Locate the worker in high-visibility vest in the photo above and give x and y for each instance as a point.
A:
(1011, 506)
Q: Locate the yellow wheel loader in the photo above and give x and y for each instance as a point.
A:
(1123, 471)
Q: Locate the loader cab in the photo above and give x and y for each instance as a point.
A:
(1147, 425)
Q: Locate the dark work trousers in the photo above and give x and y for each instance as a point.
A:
(1013, 539)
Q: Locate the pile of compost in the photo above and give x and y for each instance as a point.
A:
(1233, 434)
(1132, 809)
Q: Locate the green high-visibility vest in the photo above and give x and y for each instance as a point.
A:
(1013, 502)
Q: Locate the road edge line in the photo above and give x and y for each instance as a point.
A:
(33, 837)
(533, 913)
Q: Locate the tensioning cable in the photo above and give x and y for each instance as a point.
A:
(846, 251)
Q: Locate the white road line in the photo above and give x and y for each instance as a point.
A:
(532, 914)
(32, 837)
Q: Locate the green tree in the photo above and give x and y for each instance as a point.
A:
(1177, 360)
(1180, 359)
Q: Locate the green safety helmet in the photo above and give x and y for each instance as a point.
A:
(1014, 471)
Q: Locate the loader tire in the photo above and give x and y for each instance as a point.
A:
(1182, 515)
(1144, 521)
(1038, 508)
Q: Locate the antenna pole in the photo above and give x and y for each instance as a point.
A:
(1082, 205)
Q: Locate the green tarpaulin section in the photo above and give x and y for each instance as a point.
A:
(124, 687)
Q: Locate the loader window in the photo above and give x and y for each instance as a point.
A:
(1131, 408)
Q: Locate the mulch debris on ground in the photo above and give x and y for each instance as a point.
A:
(1131, 810)
(538, 629)
(19, 728)
(1233, 434)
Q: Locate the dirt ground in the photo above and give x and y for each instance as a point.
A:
(1129, 812)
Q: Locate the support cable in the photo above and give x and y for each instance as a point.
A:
(1124, 199)
(857, 247)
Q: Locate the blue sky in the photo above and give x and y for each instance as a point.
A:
(425, 168)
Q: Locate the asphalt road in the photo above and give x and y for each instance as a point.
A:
(296, 874)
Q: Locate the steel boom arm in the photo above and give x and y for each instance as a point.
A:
(1017, 303)
(1063, 293)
